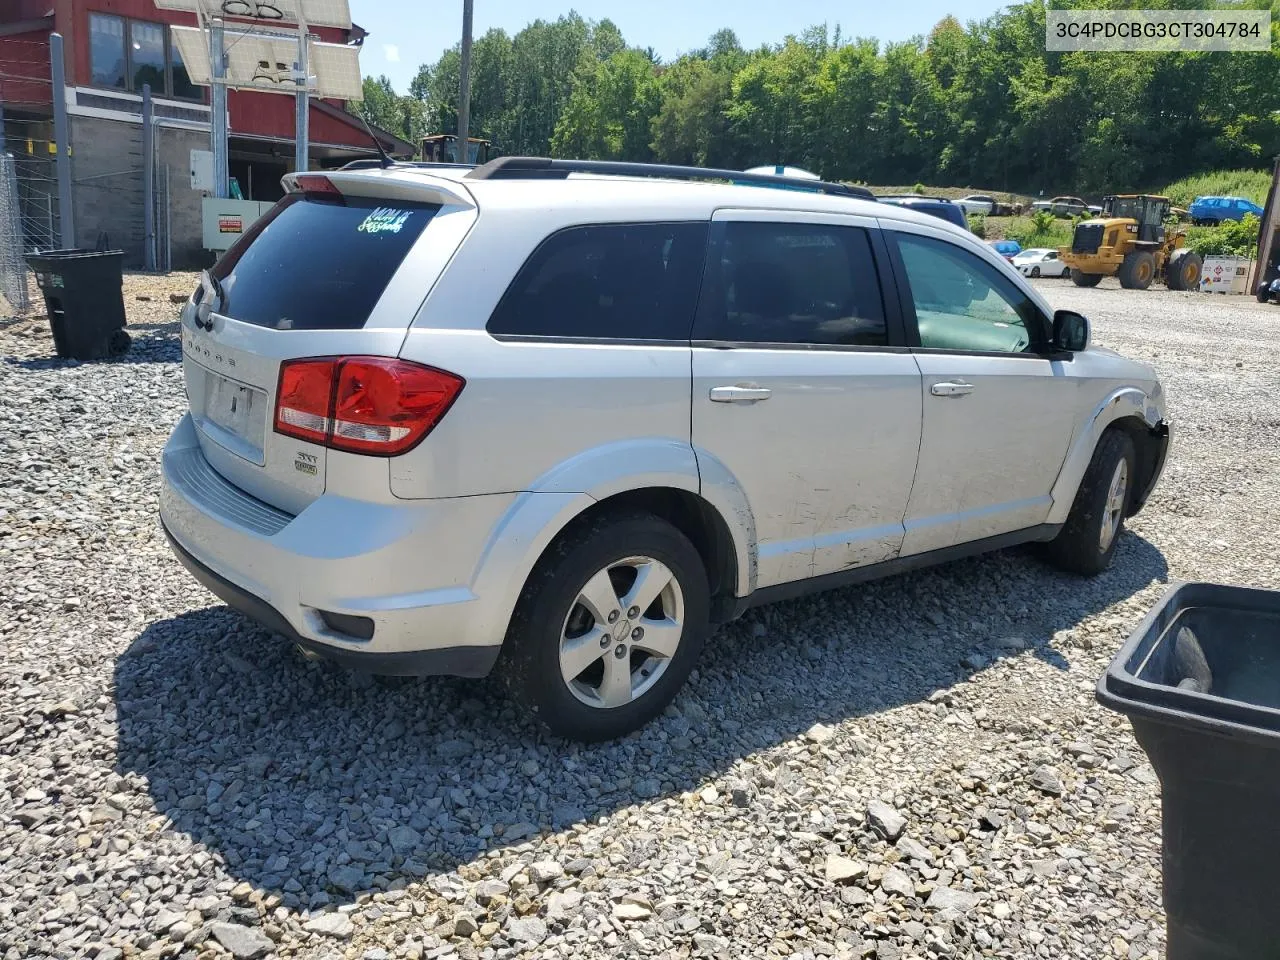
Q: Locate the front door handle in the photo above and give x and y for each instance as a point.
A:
(951, 388)
(739, 393)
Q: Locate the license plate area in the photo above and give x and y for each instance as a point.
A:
(234, 416)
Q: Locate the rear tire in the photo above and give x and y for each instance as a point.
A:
(1088, 539)
(1137, 271)
(1182, 272)
(118, 343)
(1082, 279)
(599, 564)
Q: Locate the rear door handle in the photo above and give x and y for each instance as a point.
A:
(951, 388)
(739, 393)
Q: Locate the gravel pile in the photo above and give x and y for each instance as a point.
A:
(912, 768)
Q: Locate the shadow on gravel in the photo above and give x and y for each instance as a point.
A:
(322, 785)
(149, 346)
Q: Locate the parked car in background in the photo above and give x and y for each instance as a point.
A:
(396, 455)
(936, 206)
(1066, 207)
(1007, 248)
(1040, 262)
(1210, 211)
(977, 203)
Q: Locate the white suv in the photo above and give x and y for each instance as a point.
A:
(561, 419)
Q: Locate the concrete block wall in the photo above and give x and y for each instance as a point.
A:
(106, 174)
(106, 171)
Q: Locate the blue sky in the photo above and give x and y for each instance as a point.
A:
(406, 33)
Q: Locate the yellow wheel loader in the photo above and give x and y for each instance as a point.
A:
(1131, 241)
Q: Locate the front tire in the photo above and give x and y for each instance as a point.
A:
(609, 626)
(1082, 279)
(1088, 539)
(1035, 272)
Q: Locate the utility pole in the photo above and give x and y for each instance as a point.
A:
(62, 136)
(218, 114)
(464, 94)
(302, 107)
(148, 181)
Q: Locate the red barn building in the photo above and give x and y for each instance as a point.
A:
(111, 48)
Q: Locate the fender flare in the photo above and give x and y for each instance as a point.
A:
(1124, 402)
(537, 516)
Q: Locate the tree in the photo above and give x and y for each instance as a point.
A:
(976, 104)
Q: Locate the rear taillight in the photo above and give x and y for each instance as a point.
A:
(375, 405)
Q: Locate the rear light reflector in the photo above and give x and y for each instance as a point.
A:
(374, 405)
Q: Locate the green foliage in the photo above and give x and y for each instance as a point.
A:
(977, 225)
(1039, 231)
(982, 103)
(918, 187)
(1250, 184)
(1043, 221)
(1230, 238)
(382, 107)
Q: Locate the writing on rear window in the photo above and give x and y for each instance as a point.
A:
(385, 220)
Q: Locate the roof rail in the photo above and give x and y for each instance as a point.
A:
(369, 164)
(545, 168)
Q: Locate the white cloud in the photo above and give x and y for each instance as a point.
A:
(391, 52)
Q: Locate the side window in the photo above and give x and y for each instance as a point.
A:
(962, 303)
(792, 283)
(634, 281)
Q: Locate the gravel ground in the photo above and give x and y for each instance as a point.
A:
(911, 768)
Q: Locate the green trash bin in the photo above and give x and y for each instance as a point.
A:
(84, 299)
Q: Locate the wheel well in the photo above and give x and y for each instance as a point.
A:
(1147, 448)
(696, 519)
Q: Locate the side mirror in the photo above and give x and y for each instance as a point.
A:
(1070, 331)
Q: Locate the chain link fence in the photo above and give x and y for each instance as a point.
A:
(13, 266)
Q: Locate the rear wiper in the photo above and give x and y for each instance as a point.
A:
(205, 307)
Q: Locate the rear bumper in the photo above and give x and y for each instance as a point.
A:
(406, 567)
(449, 661)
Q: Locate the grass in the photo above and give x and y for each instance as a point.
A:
(1251, 184)
(1025, 232)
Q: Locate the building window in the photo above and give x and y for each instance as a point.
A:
(149, 57)
(146, 55)
(183, 88)
(106, 50)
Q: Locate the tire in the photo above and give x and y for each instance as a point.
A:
(118, 343)
(1088, 539)
(1182, 272)
(1035, 272)
(1263, 293)
(1137, 271)
(1082, 279)
(553, 612)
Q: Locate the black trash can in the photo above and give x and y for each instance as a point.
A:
(85, 301)
(1200, 680)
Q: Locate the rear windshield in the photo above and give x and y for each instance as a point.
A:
(315, 264)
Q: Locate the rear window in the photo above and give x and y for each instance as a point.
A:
(629, 281)
(313, 264)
